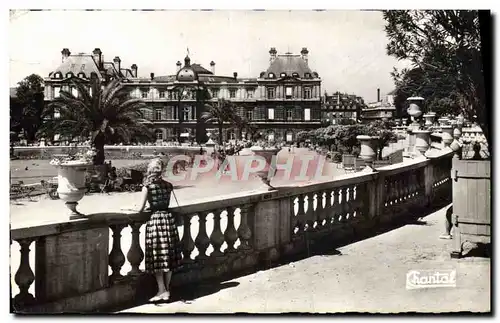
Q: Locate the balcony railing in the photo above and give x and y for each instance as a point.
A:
(80, 266)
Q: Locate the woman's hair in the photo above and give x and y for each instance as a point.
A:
(155, 169)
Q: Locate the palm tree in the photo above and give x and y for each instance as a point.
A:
(104, 113)
(221, 112)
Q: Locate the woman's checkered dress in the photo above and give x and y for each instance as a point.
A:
(163, 251)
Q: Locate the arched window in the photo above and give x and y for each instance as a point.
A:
(307, 75)
(271, 75)
(283, 74)
(295, 74)
(58, 75)
(81, 75)
(69, 74)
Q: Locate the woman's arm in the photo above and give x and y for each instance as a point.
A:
(144, 199)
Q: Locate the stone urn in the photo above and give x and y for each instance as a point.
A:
(414, 109)
(71, 184)
(447, 135)
(368, 148)
(429, 119)
(422, 138)
(269, 171)
(443, 121)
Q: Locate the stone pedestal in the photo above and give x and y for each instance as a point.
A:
(71, 264)
(422, 138)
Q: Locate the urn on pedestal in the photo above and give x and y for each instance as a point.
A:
(368, 148)
(414, 110)
(71, 179)
(71, 184)
(422, 138)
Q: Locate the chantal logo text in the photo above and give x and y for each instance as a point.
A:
(416, 279)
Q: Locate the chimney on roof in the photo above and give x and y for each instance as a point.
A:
(65, 54)
(178, 64)
(116, 62)
(235, 75)
(97, 55)
(378, 95)
(212, 67)
(305, 54)
(134, 70)
(152, 76)
(272, 53)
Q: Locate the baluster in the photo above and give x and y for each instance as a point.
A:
(230, 235)
(310, 211)
(350, 201)
(135, 254)
(320, 210)
(202, 240)
(244, 231)
(335, 205)
(328, 207)
(24, 276)
(344, 207)
(301, 205)
(116, 257)
(217, 238)
(187, 240)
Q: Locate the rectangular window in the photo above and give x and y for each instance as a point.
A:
(144, 94)
(288, 92)
(57, 91)
(232, 93)
(249, 114)
(270, 93)
(162, 94)
(159, 135)
(74, 92)
(270, 114)
(57, 113)
(215, 93)
(289, 114)
(307, 93)
(158, 114)
(307, 114)
(249, 94)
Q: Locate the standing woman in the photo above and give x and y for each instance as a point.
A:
(163, 253)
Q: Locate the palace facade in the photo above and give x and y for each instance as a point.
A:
(283, 100)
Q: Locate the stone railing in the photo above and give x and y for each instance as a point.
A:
(79, 265)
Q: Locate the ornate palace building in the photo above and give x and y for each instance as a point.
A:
(282, 101)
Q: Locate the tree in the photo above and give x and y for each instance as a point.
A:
(27, 107)
(446, 46)
(221, 112)
(104, 113)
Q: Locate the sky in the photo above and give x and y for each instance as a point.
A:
(346, 48)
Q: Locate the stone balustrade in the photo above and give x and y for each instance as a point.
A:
(78, 269)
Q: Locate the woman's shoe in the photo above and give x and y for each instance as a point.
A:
(155, 298)
(165, 296)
